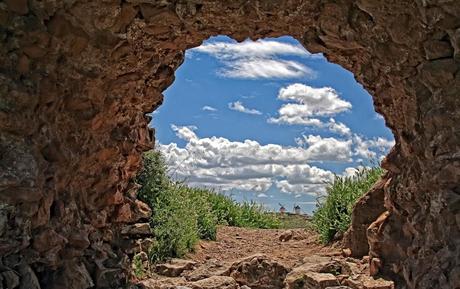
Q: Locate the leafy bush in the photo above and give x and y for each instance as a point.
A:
(174, 224)
(206, 220)
(182, 215)
(152, 178)
(247, 214)
(253, 215)
(174, 219)
(333, 214)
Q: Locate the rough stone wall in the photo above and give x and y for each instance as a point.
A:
(365, 211)
(76, 78)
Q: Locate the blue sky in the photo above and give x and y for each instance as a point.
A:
(266, 121)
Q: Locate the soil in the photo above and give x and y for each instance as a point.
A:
(235, 243)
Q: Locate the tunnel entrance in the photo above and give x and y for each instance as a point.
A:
(77, 79)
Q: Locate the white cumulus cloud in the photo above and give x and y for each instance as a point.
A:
(224, 164)
(238, 106)
(184, 132)
(308, 105)
(338, 127)
(250, 166)
(371, 148)
(317, 101)
(327, 149)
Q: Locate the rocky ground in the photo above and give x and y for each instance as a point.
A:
(264, 259)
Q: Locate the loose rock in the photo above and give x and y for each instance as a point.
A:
(258, 272)
(175, 267)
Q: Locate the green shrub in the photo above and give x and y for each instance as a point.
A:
(206, 219)
(253, 215)
(225, 209)
(247, 214)
(152, 178)
(174, 220)
(174, 224)
(333, 214)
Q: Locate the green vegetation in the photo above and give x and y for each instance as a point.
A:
(182, 215)
(138, 267)
(333, 214)
(292, 221)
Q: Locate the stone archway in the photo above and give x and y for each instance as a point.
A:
(77, 77)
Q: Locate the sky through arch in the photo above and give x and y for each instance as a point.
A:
(267, 121)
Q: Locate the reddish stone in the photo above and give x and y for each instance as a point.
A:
(47, 240)
(18, 6)
(123, 214)
(375, 265)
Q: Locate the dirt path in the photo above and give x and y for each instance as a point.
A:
(243, 258)
(235, 243)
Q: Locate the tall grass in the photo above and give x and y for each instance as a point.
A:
(333, 213)
(182, 215)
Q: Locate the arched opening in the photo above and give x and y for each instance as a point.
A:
(77, 80)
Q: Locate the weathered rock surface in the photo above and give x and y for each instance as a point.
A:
(174, 267)
(77, 78)
(215, 282)
(366, 210)
(319, 272)
(292, 235)
(208, 269)
(311, 280)
(369, 283)
(140, 229)
(258, 272)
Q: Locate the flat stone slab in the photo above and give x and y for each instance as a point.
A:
(139, 229)
(310, 280)
(215, 282)
(174, 267)
(314, 280)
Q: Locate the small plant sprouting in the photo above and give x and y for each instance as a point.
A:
(138, 266)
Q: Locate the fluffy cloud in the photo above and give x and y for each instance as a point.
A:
(327, 149)
(338, 127)
(185, 132)
(238, 106)
(223, 164)
(317, 101)
(352, 171)
(309, 104)
(371, 148)
(257, 59)
(208, 108)
(250, 166)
